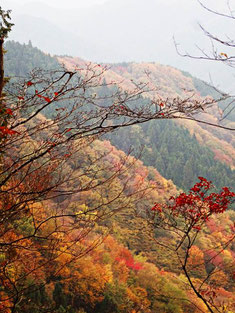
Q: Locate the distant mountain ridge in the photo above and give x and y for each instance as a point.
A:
(119, 31)
(46, 35)
(82, 268)
(215, 144)
(172, 82)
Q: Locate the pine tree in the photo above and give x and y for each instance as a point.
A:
(5, 28)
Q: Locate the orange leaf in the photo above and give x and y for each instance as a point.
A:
(224, 54)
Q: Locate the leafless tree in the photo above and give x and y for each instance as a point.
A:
(220, 49)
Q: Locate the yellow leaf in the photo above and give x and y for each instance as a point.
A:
(224, 54)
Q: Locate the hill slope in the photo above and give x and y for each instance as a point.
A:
(215, 146)
(111, 278)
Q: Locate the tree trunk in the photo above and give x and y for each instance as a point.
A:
(1, 70)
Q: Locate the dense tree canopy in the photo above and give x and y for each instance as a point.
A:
(63, 192)
(174, 152)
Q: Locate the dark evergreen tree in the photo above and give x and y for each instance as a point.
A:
(174, 153)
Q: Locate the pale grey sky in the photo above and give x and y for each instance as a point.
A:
(54, 3)
(70, 3)
(122, 30)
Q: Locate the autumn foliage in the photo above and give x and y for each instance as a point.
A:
(63, 192)
(185, 216)
(199, 204)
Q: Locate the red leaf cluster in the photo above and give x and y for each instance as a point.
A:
(198, 205)
(130, 263)
(9, 111)
(126, 257)
(4, 131)
(157, 207)
(47, 99)
(29, 83)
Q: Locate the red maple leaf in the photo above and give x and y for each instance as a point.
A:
(9, 111)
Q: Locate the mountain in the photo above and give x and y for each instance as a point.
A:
(104, 247)
(118, 31)
(196, 149)
(21, 59)
(50, 37)
(172, 83)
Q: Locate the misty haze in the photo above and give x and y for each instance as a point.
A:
(117, 153)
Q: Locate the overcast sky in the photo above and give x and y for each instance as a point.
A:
(54, 3)
(122, 30)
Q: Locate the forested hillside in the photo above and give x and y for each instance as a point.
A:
(88, 225)
(176, 153)
(23, 58)
(172, 83)
(217, 155)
